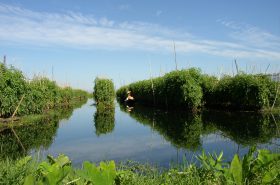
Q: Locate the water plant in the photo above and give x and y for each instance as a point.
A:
(256, 167)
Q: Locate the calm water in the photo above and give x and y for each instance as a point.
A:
(144, 135)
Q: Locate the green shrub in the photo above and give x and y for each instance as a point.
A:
(104, 91)
(243, 92)
(175, 89)
(38, 95)
(12, 87)
(191, 89)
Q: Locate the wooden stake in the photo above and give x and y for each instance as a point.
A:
(276, 95)
(18, 139)
(237, 70)
(175, 55)
(4, 60)
(266, 68)
(18, 106)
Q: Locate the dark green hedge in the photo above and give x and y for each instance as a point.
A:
(243, 92)
(178, 88)
(192, 89)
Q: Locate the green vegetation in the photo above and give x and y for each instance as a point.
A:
(38, 95)
(260, 167)
(191, 89)
(104, 96)
(244, 92)
(104, 91)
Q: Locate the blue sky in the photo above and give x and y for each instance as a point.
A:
(133, 40)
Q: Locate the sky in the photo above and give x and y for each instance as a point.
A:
(74, 42)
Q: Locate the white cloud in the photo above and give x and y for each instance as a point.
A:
(22, 26)
(252, 35)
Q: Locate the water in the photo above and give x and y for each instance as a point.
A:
(143, 134)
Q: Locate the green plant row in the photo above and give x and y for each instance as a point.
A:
(191, 89)
(104, 91)
(260, 167)
(36, 95)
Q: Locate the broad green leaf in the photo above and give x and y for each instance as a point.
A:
(270, 175)
(63, 160)
(24, 161)
(236, 169)
(29, 180)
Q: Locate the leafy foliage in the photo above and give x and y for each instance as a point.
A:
(104, 174)
(175, 89)
(38, 95)
(243, 92)
(254, 168)
(262, 169)
(104, 91)
(191, 89)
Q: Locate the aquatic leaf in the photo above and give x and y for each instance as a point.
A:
(29, 180)
(265, 157)
(22, 162)
(236, 169)
(247, 162)
(62, 160)
(270, 175)
(104, 174)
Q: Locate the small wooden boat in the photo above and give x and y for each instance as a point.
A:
(129, 102)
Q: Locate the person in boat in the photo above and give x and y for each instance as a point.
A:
(129, 97)
(129, 101)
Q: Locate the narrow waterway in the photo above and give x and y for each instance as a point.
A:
(142, 134)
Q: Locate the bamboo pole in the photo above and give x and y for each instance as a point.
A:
(276, 95)
(13, 128)
(152, 83)
(267, 68)
(236, 66)
(18, 139)
(174, 47)
(18, 106)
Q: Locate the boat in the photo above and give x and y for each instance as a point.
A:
(129, 102)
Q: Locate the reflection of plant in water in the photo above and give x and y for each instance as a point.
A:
(35, 132)
(244, 128)
(181, 129)
(31, 136)
(104, 119)
(184, 130)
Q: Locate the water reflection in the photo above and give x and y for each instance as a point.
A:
(35, 133)
(181, 129)
(245, 128)
(185, 130)
(104, 119)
